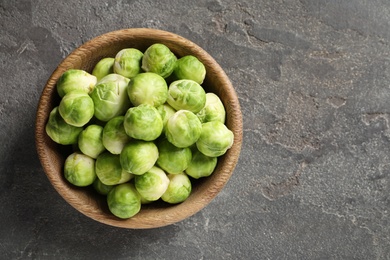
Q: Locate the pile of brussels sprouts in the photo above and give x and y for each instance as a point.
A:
(141, 126)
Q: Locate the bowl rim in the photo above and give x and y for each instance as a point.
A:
(151, 219)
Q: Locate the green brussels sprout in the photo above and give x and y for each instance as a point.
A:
(110, 98)
(102, 188)
(172, 159)
(90, 141)
(114, 135)
(103, 68)
(183, 129)
(186, 94)
(109, 169)
(138, 156)
(75, 79)
(128, 62)
(124, 201)
(166, 111)
(189, 67)
(179, 188)
(59, 131)
(152, 184)
(76, 108)
(143, 122)
(201, 165)
(79, 169)
(159, 59)
(215, 139)
(213, 110)
(148, 88)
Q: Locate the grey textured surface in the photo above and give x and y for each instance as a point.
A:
(313, 179)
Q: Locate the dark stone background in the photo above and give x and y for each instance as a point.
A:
(313, 179)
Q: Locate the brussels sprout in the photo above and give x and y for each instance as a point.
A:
(179, 188)
(159, 59)
(201, 165)
(76, 108)
(213, 110)
(215, 139)
(128, 62)
(138, 156)
(189, 67)
(186, 94)
(152, 184)
(102, 188)
(75, 79)
(110, 98)
(109, 169)
(166, 111)
(114, 135)
(59, 131)
(171, 158)
(148, 88)
(143, 122)
(90, 141)
(79, 169)
(124, 201)
(183, 128)
(103, 68)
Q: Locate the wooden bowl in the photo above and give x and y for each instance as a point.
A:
(86, 200)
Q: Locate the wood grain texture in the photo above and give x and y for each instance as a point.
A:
(88, 202)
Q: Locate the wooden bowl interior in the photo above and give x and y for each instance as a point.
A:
(86, 200)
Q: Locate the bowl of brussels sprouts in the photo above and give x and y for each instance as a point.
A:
(138, 128)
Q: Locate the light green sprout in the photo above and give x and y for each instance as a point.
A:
(76, 108)
(186, 94)
(109, 169)
(213, 110)
(114, 135)
(138, 156)
(189, 67)
(148, 88)
(152, 184)
(90, 141)
(103, 68)
(171, 158)
(110, 97)
(183, 129)
(124, 201)
(143, 122)
(215, 139)
(79, 169)
(75, 79)
(201, 165)
(179, 188)
(128, 62)
(159, 59)
(60, 131)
